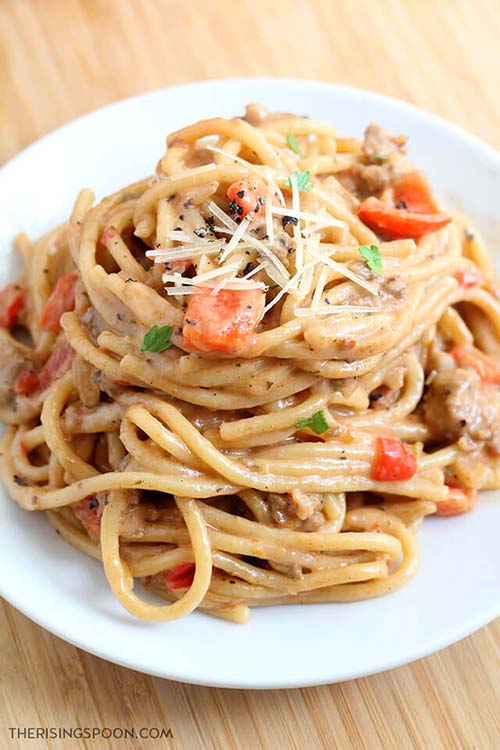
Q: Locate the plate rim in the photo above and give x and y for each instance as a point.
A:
(457, 636)
(359, 91)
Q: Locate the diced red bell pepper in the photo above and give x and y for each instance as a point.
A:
(223, 322)
(26, 383)
(469, 356)
(413, 189)
(458, 501)
(394, 461)
(412, 214)
(246, 199)
(56, 366)
(468, 277)
(109, 234)
(11, 303)
(89, 512)
(180, 577)
(60, 301)
(397, 223)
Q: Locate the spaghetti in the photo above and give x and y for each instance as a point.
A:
(247, 379)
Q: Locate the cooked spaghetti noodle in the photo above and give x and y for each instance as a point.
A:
(247, 379)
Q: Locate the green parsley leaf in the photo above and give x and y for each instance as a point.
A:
(303, 183)
(292, 142)
(273, 286)
(317, 423)
(380, 159)
(157, 339)
(372, 258)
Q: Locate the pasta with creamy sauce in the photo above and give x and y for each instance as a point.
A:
(247, 379)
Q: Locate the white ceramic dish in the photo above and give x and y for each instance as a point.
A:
(456, 589)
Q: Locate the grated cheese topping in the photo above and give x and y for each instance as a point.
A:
(313, 266)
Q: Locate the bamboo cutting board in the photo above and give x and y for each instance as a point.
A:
(61, 58)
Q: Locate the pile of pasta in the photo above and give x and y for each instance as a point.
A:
(216, 378)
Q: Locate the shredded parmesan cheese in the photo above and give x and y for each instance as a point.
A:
(202, 278)
(281, 274)
(181, 236)
(237, 283)
(174, 291)
(288, 286)
(310, 262)
(306, 215)
(269, 222)
(299, 251)
(184, 253)
(237, 236)
(261, 267)
(344, 271)
(323, 277)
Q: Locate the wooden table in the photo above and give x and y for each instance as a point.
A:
(61, 58)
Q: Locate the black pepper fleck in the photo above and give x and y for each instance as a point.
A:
(235, 209)
(249, 267)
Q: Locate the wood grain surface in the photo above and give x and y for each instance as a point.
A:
(61, 58)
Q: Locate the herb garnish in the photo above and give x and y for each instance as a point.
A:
(317, 423)
(380, 159)
(157, 339)
(303, 181)
(292, 142)
(372, 258)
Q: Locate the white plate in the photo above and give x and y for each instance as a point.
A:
(456, 588)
